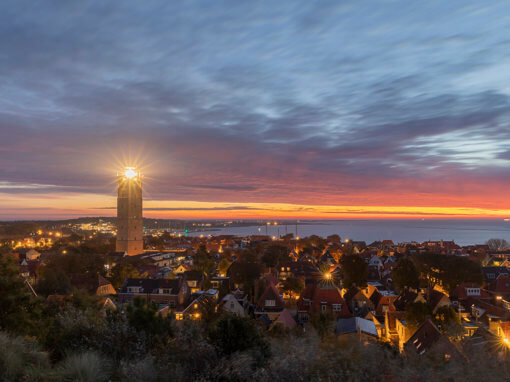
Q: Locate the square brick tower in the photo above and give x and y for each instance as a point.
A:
(129, 212)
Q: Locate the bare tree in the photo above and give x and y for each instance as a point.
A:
(498, 244)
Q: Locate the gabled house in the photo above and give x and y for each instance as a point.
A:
(32, 254)
(397, 331)
(270, 302)
(500, 287)
(429, 340)
(407, 297)
(382, 303)
(171, 292)
(469, 290)
(437, 300)
(182, 268)
(29, 270)
(95, 285)
(194, 279)
(286, 320)
(204, 304)
(321, 298)
(358, 302)
(491, 273)
(230, 304)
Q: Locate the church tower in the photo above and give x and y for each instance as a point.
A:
(129, 212)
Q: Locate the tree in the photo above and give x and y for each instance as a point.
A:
(203, 260)
(245, 274)
(355, 271)
(334, 238)
(405, 274)
(448, 271)
(53, 281)
(223, 266)
(232, 334)
(324, 267)
(14, 296)
(121, 271)
(498, 245)
(293, 285)
(447, 320)
(275, 254)
(323, 322)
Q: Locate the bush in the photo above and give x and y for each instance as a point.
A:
(83, 367)
(232, 334)
(22, 359)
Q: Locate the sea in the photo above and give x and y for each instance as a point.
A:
(463, 232)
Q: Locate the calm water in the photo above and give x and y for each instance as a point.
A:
(463, 232)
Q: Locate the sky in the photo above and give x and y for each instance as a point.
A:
(231, 109)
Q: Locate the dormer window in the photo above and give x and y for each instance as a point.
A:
(270, 303)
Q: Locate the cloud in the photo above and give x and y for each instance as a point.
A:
(293, 103)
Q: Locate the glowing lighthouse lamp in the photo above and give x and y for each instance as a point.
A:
(130, 172)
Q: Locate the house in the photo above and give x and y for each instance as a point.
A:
(96, 285)
(321, 298)
(356, 325)
(358, 303)
(203, 305)
(270, 302)
(484, 311)
(106, 304)
(437, 300)
(482, 340)
(429, 340)
(491, 273)
(397, 331)
(194, 279)
(304, 270)
(286, 320)
(382, 303)
(230, 304)
(28, 270)
(467, 290)
(500, 287)
(32, 254)
(182, 268)
(502, 330)
(407, 297)
(171, 292)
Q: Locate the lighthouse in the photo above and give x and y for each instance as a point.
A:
(129, 212)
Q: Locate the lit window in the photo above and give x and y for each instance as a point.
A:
(337, 307)
(324, 308)
(270, 302)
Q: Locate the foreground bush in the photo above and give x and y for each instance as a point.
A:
(22, 359)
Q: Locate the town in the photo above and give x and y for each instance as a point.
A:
(421, 301)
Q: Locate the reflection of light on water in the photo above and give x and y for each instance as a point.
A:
(507, 220)
(259, 229)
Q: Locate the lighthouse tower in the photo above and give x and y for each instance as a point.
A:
(129, 212)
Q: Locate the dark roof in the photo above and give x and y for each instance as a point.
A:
(193, 275)
(404, 299)
(434, 297)
(348, 296)
(423, 339)
(271, 293)
(494, 272)
(152, 285)
(89, 283)
(346, 325)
